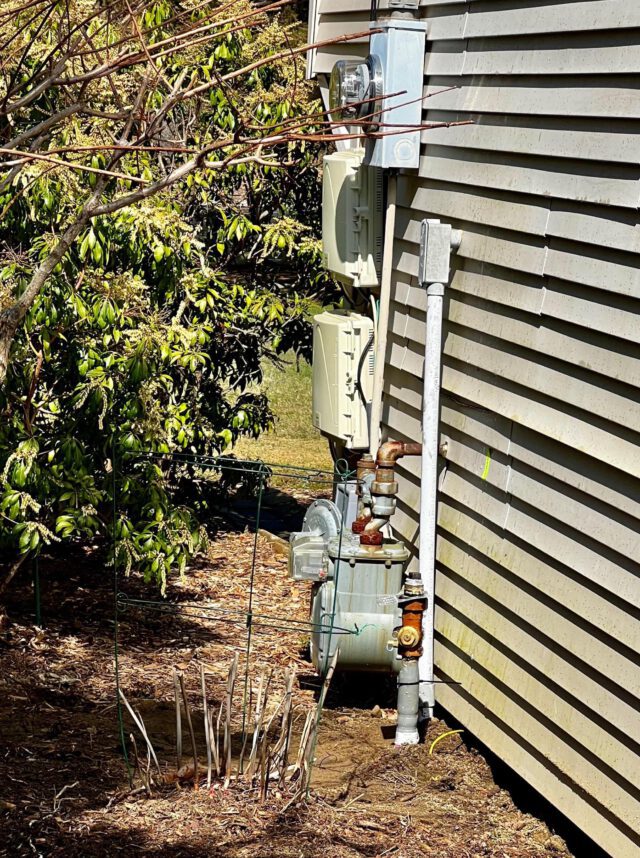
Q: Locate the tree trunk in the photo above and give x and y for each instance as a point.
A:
(11, 574)
(11, 318)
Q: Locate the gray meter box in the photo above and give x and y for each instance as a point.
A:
(400, 47)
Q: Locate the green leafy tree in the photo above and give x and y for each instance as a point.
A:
(158, 238)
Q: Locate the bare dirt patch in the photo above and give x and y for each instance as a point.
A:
(63, 785)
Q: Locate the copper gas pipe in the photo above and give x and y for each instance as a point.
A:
(382, 489)
(391, 451)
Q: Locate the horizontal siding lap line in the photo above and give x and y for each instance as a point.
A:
(513, 398)
(602, 226)
(602, 612)
(604, 513)
(490, 435)
(568, 345)
(560, 527)
(600, 521)
(611, 271)
(510, 745)
(605, 185)
(568, 678)
(589, 554)
(555, 137)
(605, 53)
(560, 746)
(586, 309)
(552, 417)
(599, 612)
(586, 96)
(578, 16)
(581, 317)
(484, 57)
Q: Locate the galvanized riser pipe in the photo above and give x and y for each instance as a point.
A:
(408, 703)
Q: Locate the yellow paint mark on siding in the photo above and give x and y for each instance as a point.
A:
(487, 463)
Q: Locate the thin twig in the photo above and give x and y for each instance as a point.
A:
(13, 571)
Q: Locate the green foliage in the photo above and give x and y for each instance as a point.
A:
(151, 333)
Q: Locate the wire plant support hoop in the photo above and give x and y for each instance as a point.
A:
(250, 620)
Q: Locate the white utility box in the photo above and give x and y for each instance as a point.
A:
(341, 395)
(352, 208)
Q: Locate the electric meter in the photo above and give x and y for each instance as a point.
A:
(384, 93)
(355, 91)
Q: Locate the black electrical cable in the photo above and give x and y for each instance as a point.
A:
(363, 357)
(333, 449)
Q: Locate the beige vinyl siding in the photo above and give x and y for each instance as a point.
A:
(538, 580)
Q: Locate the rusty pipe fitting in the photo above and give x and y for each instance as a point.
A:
(365, 474)
(383, 488)
(408, 637)
(391, 451)
(371, 537)
(410, 633)
(388, 454)
(359, 525)
(366, 464)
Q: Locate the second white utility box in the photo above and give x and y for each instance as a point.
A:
(343, 362)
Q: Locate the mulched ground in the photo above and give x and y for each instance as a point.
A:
(63, 785)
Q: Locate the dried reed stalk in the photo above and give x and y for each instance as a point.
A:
(213, 740)
(231, 682)
(137, 718)
(194, 749)
(205, 711)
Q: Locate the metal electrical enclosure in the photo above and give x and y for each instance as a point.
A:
(400, 48)
(340, 410)
(352, 200)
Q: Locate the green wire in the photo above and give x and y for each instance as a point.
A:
(205, 612)
(262, 470)
(249, 618)
(244, 466)
(321, 698)
(114, 512)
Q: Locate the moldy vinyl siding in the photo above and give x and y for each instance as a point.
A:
(538, 580)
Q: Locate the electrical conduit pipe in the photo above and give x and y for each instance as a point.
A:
(436, 243)
(416, 689)
(429, 487)
(383, 315)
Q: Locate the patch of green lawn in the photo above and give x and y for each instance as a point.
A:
(293, 441)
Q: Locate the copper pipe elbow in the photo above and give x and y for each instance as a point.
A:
(391, 451)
